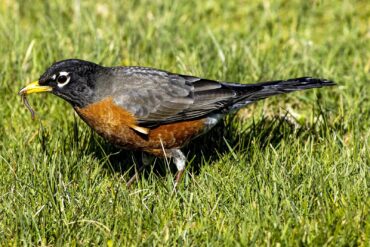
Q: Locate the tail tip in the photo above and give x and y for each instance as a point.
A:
(321, 81)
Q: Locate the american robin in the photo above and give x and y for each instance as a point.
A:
(151, 110)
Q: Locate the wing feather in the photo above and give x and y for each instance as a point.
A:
(158, 97)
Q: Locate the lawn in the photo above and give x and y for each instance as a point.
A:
(289, 170)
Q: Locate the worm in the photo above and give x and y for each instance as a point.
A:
(25, 102)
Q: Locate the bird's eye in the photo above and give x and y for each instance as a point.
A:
(63, 79)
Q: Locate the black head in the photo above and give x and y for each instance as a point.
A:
(72, 80)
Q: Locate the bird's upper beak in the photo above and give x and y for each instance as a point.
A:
(34, 87)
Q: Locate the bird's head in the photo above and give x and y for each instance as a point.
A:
(72, 80)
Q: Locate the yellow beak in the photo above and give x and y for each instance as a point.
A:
(34, 87)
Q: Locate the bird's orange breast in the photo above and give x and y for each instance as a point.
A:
(115, 124)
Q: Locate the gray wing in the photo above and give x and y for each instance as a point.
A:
(157, 97)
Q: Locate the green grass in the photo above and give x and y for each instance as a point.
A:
(290, 170)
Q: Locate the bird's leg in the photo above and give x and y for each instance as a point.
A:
(134, 177)
(179, 160)
(145, 161)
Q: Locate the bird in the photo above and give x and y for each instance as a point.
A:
(151, 110)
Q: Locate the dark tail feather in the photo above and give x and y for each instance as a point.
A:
(254, 92)
(298, 83)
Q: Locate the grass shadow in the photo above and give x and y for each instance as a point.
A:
(234, 134)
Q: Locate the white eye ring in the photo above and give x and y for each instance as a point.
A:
(67, 79)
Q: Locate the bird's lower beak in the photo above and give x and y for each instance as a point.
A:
(34, 87)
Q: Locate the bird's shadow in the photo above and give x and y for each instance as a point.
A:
(206, 149)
